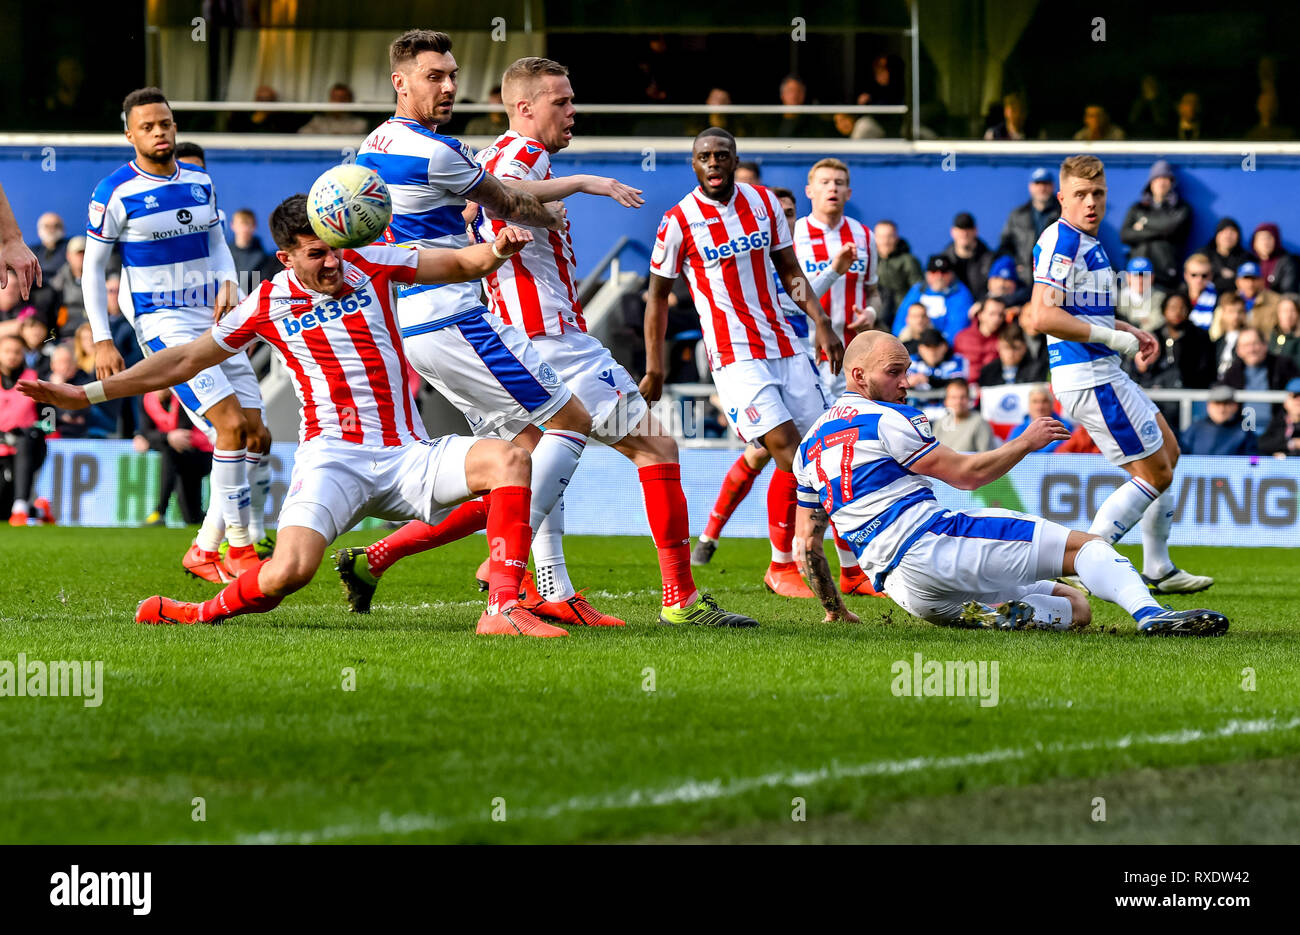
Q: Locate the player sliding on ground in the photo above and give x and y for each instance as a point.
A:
(861, 466)
(363, 451)
(723, 235)
(1074, 305)
(538, 313)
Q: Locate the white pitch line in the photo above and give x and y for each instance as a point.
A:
(705, 790)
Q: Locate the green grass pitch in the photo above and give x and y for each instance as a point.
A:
(448, 737)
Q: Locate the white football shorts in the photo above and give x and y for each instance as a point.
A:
(1120, 418)
(759, 395)
(335, 484)
(232, 377)
(601, 384)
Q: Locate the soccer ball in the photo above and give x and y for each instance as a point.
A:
(349, 206)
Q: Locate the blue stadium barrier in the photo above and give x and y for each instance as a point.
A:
(920, 190)
(1220, 501)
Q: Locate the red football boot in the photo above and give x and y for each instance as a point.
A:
(159, 609)
(515, 621)
(205, 565)
(575, 611)
(784, 579)
(855, 581)
(241, 558)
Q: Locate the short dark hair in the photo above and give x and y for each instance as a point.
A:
(747, 164)
(730, 140)
(1012, 333)
(1176, 294)
(187, 149)
(406, 47)
(289, 221)
(782, 193)
(140, 97)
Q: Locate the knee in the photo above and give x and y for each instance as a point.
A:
(260, 440)
(573, 417)
(663, 449)
(514, 467)
(279, 577)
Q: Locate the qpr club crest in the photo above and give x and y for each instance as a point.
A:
(203, 382)
(1149, 431)
(547, 375)
(198, 194)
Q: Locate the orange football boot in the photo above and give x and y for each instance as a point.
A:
(515, 621)
(44, 515)
(205, 565)
(783, 578)
(575, 611)
(17, 519)
(239, 559)
(159, 609)
(855, 581)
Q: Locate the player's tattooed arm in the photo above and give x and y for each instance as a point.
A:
(810, 529)
(515, 204)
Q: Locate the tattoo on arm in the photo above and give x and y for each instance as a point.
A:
(812, 559)
(511, 203)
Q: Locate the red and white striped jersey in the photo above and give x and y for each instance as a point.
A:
(537, 290)
(816, 246)
(724, 250)
(345, 352)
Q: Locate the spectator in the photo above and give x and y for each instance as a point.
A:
(935, 363)
(1139, 301)
(886, 85)
(68, 283)
(1268, 127)
(21, 437)
(978, 341)
(897, 270)
(69, 423)
(123, 334)
(749, 173)
(946, 300)
(337, 122)
(51, 246)
(971, 257)
(1283, 436)
(1279, 268)
(1257, 370)
(102, 418)
(1186, 359)
(796, 125)
(1014, 364)
(1285, 339)
(1026, 223)
(1198, 275)
(186, 456)
(263, 121)
(1015, 121)
(252, 260)
(1040, 404)
(1229, 319)
(961, 428)
(1220, 432)
(865, 127)
(1226, 254)
(1189, 117)
(1261, 301)
(916, 323)
(1157, 224)
(1149, 117)
(1097, 125)
(35, 335)
(495, 123)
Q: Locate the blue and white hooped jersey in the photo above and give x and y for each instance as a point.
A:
(1073, 262)
(428, 176)
(162, 225)
(854, 462)
(1202, 311)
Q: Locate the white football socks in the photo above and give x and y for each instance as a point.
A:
(1122, 510)
(1156, 523)
(259, 485)
(1050, 610)
(548, 557)
(213, 529)
(1113, 578)
(847, 558)
(230, 489)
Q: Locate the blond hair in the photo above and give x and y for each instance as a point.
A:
(1217, 329)
(828, 163)
(520, 78)
(1082, 167)
(85, 358)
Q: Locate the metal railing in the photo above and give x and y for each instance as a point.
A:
(372, 107)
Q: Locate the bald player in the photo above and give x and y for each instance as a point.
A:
(865, 464)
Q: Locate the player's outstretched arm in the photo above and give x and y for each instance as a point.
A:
(969, 472)
(798, 288)
(14, 254)
(156, 372)
(515, 204)
(656, 329)
(1047, 315)
(545, 190)
(469, 263)
(809, 531)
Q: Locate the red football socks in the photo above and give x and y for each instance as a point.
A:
(242, 596)
(780, 515)
(735, 487)
(509, 536)
(415, 536)
(665, 509)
